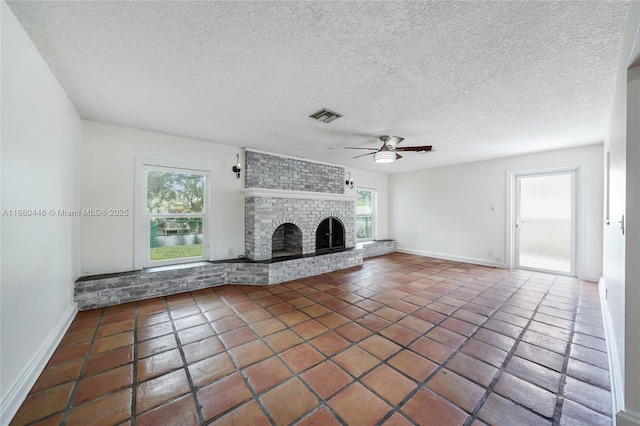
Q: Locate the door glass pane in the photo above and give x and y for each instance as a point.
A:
(545, 227)
(323, 234)
(337, 233)
(175, 238)
(171, 192)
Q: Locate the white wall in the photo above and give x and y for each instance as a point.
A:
(40, 170)
(379, 182)
(622, 290)
(444, 211)
(107, 176)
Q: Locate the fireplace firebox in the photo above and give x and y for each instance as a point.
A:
(286, 241)
(330, 235)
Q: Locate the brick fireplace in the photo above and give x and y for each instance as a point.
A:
(283, 195)
(286, 204)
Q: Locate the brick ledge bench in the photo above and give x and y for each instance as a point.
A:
(112, 289)
(378, 247)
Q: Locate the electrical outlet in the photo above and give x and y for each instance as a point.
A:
(492, 207)
(230, 252)
(86, 268)
(490, 252)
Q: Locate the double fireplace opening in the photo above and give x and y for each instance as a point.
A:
(287, 238)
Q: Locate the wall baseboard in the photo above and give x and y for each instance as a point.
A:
(482, 262)
(20, 389)
(625, 418)
(621, 417)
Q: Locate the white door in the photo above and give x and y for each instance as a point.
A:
(545, 225)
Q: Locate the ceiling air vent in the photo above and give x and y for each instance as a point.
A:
(325, 115)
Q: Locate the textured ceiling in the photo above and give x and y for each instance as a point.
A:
(476, 80)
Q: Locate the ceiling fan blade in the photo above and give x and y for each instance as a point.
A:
(364, 155)
(353, 147)
(424, 148)
(394, 141)
(398, 156)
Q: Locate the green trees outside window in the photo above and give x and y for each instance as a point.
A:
(365, 213)
(176, 211)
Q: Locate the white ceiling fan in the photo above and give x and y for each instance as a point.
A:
(387, 153)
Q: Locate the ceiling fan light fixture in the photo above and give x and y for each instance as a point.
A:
(384, 156)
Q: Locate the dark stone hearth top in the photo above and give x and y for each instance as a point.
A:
(361, 243)
(243, 260)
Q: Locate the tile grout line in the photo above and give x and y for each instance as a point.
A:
(441, 365)
(355, 344)
(565, 363)
(489, 389)
(239, 370)
(74, 390)
(134, 378)
(277, 354)
(421, 384)
(509, 354)
(194, 388)
(185, 366)
(327, 358)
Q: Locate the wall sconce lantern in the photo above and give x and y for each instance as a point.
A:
(238, 167)
(349, 181)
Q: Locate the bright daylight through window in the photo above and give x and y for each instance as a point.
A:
(365, 214)
(175, 215)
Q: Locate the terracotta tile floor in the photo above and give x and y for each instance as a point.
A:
(402, 340)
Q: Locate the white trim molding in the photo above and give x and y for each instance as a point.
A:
(482, 262)
(626, 418)
(615, 370)
(621, 417)
(581, 235)
(141, 227)
(20, 389)
(281, 193)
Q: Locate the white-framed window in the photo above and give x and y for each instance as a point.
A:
(172, 213)
(365, 214)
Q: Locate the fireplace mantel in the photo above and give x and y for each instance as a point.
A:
(282, 193)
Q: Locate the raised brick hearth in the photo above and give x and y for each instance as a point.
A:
(113, 289)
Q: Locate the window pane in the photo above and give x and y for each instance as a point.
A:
(363, 226)
(175, 238)
(364, 213)
(364, 203)
(171, 192)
